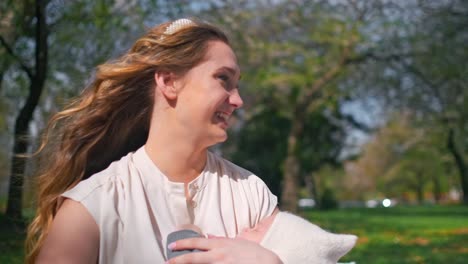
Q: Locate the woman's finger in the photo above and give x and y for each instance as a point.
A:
(200, 243)
(210, 236)
(193, 258)
(223, 250)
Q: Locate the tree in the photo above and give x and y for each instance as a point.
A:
(260, 146)
(403, 156)
(442, 77)
(298, 52)
(36, 75)
(418, 168)
(419, 63)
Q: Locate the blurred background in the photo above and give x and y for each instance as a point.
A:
(355, 114)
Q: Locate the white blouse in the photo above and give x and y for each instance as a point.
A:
(135, 206)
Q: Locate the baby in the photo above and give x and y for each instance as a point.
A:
(292, 238)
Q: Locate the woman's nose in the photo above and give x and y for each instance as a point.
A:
(235, 98)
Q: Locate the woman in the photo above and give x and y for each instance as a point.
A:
(128, 161)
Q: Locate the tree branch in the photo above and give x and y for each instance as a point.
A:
(371, 55)
(321, 82)
(410, 68)
(433, 86)
(357, 124)
(15, 57)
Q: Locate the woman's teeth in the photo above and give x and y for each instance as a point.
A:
(222, 116)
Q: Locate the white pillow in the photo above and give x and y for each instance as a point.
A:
(296, 241)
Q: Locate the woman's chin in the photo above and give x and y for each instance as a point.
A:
(220, 137)
(223, 137)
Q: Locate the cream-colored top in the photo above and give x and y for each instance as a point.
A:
(135, 206)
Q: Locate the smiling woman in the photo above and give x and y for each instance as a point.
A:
(127, 162)
(206, 97)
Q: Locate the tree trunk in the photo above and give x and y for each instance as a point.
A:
(37, 80)
(420, 194)
(311, 185)
(292, 166)
(461, 164)
(437, 190)
(418, 186)
(1, 79)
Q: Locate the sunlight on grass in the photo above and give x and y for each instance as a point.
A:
(430, 234)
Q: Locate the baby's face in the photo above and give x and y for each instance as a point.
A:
(257, 233)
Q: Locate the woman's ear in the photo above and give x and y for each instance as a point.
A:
(165, 81)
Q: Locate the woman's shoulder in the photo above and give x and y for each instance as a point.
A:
(246, 189)
(103, 180)
(232, 170)
(103, 193)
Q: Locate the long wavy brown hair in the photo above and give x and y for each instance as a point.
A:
(111, 117)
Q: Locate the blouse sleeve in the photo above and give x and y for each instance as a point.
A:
(101, 199)
(266, 201)
(258, 196)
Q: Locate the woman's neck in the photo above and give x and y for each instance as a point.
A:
(178, 158)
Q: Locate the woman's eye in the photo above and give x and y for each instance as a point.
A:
(226, 81)
(224, 78)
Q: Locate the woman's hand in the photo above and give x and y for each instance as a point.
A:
(222, 250)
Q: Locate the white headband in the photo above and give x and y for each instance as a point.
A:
(178, 25)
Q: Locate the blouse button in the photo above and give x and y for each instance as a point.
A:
(195, 186)
(194, 204)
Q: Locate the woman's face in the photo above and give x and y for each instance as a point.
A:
(209, 95)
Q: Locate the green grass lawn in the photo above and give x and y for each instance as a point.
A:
(432, 234)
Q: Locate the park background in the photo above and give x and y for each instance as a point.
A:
(355, 115)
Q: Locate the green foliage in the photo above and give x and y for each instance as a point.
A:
(418, 169)
(323, 138)
(329, 176)
(261, 146)
(430, 160)
(420, 64)
(405, 159)
(328, 200)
